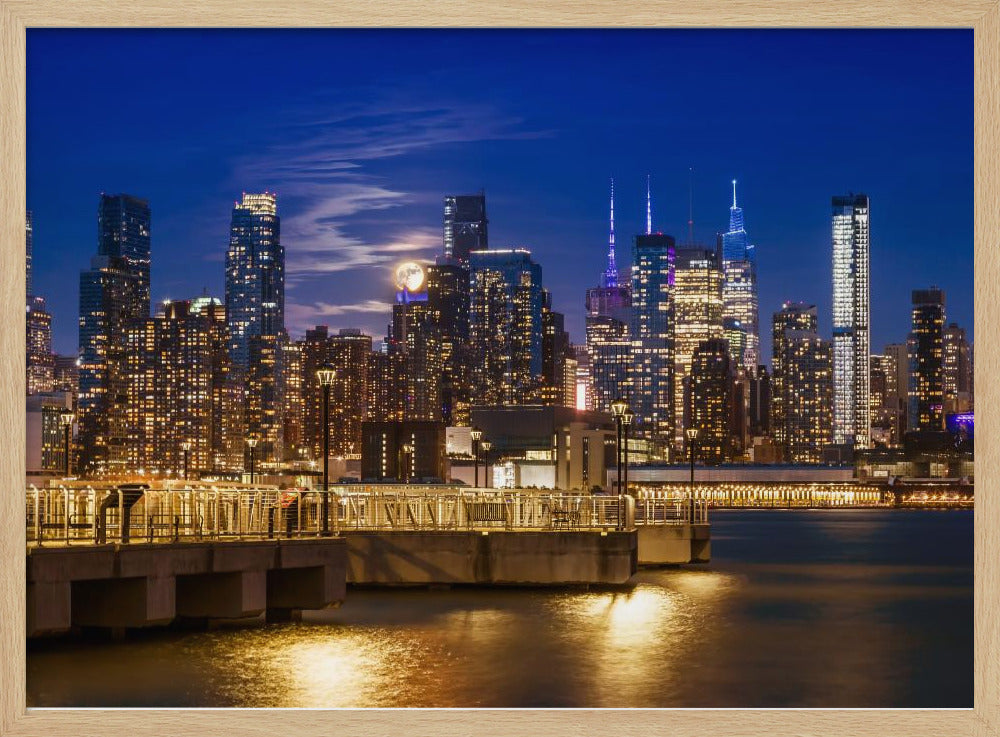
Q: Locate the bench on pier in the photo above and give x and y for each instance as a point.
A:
(486, 511)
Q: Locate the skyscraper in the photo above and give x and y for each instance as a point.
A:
(415, 343)
(801, 412)
(255, 274)
(123, 224)
(556, 357)
(739, 291)
(925, 348)
(114, 293)
(652, 335)
(897, 401)
(851, 316)
(505, 326)
(697, 317)
(40, 363)
(181, 391)
(349, 350)
(609, 316)
(711, 399)
(448, 302)
(957, 370)
(464, 226)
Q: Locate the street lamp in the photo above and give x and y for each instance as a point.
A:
(67, 421)
(407, 449)
(477, 435)
(186, 447)
(486, 445)
(692, 436)
(252, 442)
(618, 409)
(326, 375)
(627, 417)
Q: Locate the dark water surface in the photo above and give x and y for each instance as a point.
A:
(852, 608)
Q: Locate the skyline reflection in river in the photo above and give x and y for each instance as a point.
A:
(811, 609)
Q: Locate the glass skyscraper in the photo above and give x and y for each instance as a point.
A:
(851, 317)
(255, 275)
(114, 293)
(926, 359)
(464, 226)
(653, 256)
(739, 290)
(505, 326)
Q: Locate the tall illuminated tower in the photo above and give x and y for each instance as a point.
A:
(464, 226)
(505, 326)
(739, 290)
(926, 358)
(255, 274)
(851, 317)
(608, 331)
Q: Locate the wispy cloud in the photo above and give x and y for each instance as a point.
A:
(323, 172)
(300, 316)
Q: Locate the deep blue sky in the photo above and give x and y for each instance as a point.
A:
(362, 132)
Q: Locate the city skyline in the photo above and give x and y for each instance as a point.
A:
(564, 227)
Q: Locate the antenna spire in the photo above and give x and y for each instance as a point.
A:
(691, 205)
(734, 194)
(649, 208)
(611, 274)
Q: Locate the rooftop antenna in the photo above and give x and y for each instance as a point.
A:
(611, 274)
(649, 208)
(734, 194)
(691, 205)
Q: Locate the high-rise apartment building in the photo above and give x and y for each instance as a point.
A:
(711, 395)
(698, 312)
(464, 226)
(505, 326)
(652, 335)
(739, 291)
(255, 275)
(557, 358)
(851, 317)
(29, 232)
(448, 302)
(925, 349)
(802, 385)
(957, 370)
(182, 393)
(39, 360)
(349, 351)
(114, 293)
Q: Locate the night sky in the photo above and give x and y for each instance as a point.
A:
(362, 132)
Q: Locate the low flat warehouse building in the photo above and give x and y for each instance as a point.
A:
(545, 447)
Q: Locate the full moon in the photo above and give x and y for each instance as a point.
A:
(409, 276)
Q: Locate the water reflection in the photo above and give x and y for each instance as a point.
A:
(796, 609)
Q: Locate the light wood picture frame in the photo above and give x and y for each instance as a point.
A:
(18, 15)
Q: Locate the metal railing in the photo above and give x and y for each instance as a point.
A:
(130, 514)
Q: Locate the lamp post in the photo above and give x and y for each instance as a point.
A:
(692, 436)
(67, 421)
(627, 417)
(407, 449)
(326, 375)
(477, 435)
(252, 442)
(486, 445)
(618, 408)
(186, 448)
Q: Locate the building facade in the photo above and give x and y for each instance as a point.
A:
(505, 326)
(39, 360)
(851, 317)
(465, 226)
(739, 291)
(712, 400)
(958, 378)
(925, 349)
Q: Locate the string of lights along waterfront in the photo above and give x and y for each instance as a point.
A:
(208, 385)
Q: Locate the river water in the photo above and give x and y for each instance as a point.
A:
(851, 608)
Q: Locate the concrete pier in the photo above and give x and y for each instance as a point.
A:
(660, 545)
(494, 557)
(139, 585)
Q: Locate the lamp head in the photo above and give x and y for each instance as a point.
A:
(476, 433)
(618, 407)
(628, 417)
(326, 375)
(487, 445)
(67, 418)
(252, 442)
(186, 445)
(692, 433)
